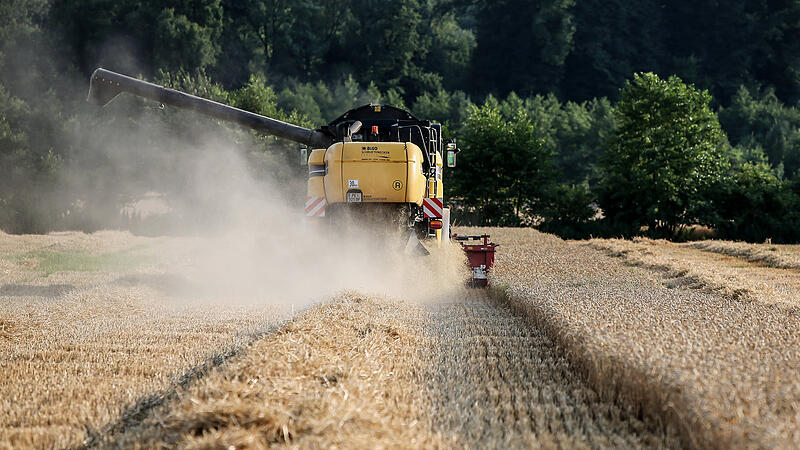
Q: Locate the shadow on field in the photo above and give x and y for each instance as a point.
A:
(132, 417)
(24, 290)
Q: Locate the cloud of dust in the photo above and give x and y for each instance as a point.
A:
(248, 240)
(269, 251)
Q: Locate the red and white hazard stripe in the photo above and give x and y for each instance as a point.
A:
(432, 207)
(315, 206)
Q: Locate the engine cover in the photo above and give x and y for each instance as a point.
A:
(374, 172)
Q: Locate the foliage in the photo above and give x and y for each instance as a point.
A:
(721, 46)
(613, 39)
(568, 212)
(664, 157)
(757, 205)
(504, 173)
(560, 62)
(573, 132)
(449, 109)
(323, 102)
(522, 45)
(764, 121)
(140, 36)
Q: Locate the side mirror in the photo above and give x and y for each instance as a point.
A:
(452, 150)
(303, 156)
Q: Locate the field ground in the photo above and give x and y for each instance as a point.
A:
(495, 381)
(586, 344)
(94, 332)
(718, 366)
(764, 276)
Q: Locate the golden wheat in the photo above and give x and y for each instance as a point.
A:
(780, 256)
(725, 275)
(721, 370)
(82, 349)
(606, 352)
(493, 381)
(343, 375)
(374, 372)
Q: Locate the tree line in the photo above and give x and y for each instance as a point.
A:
(557, 130)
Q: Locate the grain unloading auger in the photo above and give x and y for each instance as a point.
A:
(373, 162)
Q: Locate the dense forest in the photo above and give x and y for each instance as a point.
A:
(577, 117)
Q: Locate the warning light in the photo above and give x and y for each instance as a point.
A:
(374, 129)
(436, 224)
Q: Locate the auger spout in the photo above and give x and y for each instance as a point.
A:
(105, 85)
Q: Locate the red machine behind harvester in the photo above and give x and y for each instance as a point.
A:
(480, 257)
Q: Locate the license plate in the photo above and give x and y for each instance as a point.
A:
(354, 197)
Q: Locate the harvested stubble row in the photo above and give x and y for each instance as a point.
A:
(87, 350)
(342, 375)
(496, 382)
(718, 273)
(780, 256)
(722, 371)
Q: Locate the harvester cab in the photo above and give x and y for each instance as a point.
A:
(377, 164)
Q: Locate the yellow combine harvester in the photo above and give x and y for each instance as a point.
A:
(374, 161)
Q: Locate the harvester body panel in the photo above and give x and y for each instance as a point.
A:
(316, 173)
(435, 186)
(374, 172)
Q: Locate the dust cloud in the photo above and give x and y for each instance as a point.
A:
(231, 204)
(242, 236)
(269, 250)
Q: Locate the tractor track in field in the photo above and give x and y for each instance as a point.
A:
(496, 381)
(134, 415)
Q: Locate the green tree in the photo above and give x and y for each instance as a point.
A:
(573, 132)
(449, 109)
(568, 212)
(505, 172)
(140, 36)
(33, 116)
(722, 45)
(388, 44)
(187, 35)
(664, 157)
(451, 49)
(581, 133)
(612, 40)
(762, 120)
(756, 205)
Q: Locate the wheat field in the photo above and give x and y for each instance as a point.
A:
(718, 268)
(91, 338)
(600, 344)
(717, 366)
(780, 256)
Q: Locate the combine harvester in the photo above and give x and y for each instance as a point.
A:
(372, 163)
